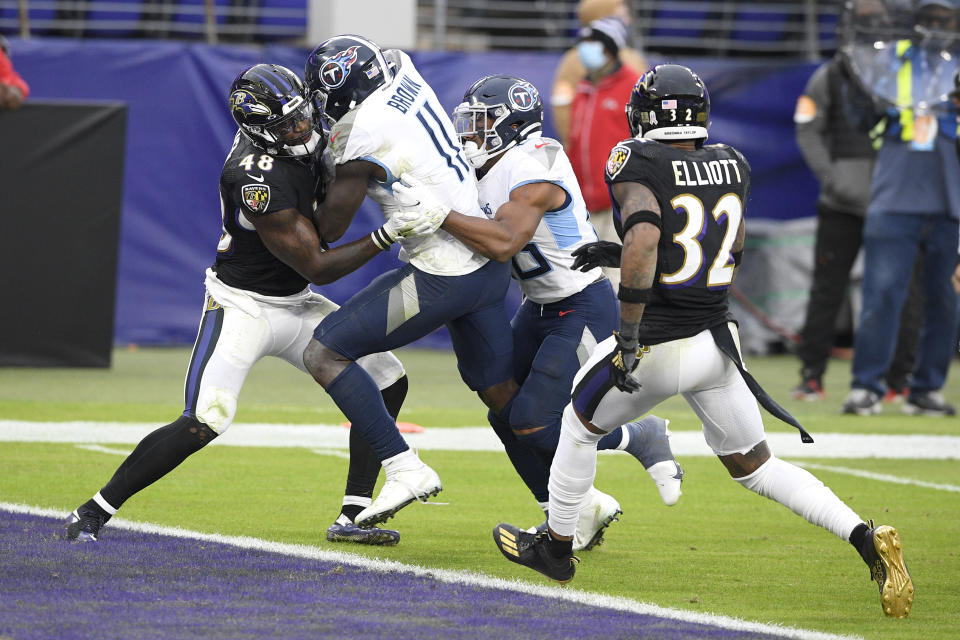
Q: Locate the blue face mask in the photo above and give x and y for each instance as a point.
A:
(591, 54)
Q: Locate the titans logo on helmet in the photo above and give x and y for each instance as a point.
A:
(245, 103)
(523, 96)
(335, 70)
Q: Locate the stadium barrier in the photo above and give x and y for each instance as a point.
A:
(180, 130)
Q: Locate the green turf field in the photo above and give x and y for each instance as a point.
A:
(721, 550)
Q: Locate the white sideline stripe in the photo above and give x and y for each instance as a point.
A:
(99, 449)
(468, 578)
(883, 477)
(322, 436)
(336, 453)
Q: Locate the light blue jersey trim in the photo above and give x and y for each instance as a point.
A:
(388, 184)
(562, 223)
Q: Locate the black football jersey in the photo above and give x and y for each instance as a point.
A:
(701, 195)
(254, 183)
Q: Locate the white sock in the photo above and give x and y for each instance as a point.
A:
(571, 474)
(357, 501)
(406, 461)
(545, 506)
(801, 492)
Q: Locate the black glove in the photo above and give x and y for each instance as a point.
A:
(597, 254)
(623, 362)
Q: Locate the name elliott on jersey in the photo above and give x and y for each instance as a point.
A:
(692, 173)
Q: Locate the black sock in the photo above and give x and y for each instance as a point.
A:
(351, 511)
(559, 548)
(859, 536)
(364, 465)
(158, 454)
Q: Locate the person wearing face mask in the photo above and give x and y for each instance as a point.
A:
(596, 119)
(913, 208)
(570, 70)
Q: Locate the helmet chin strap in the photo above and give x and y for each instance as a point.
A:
(308, 147)
(476, 156)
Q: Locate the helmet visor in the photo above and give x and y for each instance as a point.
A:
(470, 122)
(295, 128)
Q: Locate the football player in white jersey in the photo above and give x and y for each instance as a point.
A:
(537, 219)
(386, 121)
(258, 301)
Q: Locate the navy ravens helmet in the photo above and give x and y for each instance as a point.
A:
(669, 102)
(502, 111)
(273, 109)
(343, 71)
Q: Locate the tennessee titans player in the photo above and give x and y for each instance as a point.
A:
(385, 121)
(537, 219)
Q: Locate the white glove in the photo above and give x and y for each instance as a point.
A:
(419, 213)
(414, 197)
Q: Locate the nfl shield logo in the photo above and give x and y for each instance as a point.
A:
(617, 160)
(256, 197)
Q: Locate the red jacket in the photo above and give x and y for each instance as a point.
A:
(597, 123)
(9, 76)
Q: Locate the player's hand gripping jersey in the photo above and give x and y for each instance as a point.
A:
(701, 195)
(254, 183)
(403, 128)
(544, 266)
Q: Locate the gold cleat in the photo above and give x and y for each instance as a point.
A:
(889, 571)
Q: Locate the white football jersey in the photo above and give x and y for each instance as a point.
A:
(543, 266)
(403, 128)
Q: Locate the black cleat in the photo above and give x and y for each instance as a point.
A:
(530, 550)
(372, 535)
(882, 553)
(84, 524)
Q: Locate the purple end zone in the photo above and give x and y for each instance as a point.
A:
(139, 585)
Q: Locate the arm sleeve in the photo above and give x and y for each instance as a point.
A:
(811, 125)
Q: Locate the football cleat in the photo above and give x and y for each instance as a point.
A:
(929, 403)
(862, 402)
(372, 536)
(648, 440)
(84, 524)
(598, 512)
(810, 389)
(399, 490)
(531, 551)
(883, 554)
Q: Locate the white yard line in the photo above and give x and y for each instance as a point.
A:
(322, 436)
(99, 449)
(455, 577)
(882, 477)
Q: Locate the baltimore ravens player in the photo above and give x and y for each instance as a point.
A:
(385, 121)
(258, 302)
(679, 207)
(538, 218)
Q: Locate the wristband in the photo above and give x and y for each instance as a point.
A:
(381, 238)
(641, 216)
(633, 296)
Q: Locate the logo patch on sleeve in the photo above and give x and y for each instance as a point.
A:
(618, 158)
(256, 197)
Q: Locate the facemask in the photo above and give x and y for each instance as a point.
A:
(475, 156)
(591, 54)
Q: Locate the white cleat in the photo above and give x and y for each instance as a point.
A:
(668, 476)
(400, 489)
(598, 512)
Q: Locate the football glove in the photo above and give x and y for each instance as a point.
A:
(597, 254)
(624, 361)
(418, 203)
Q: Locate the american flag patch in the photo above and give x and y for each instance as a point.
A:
(668, 104)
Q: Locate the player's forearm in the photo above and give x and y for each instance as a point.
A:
(487, 237)
(638, 265)
(336, 263)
